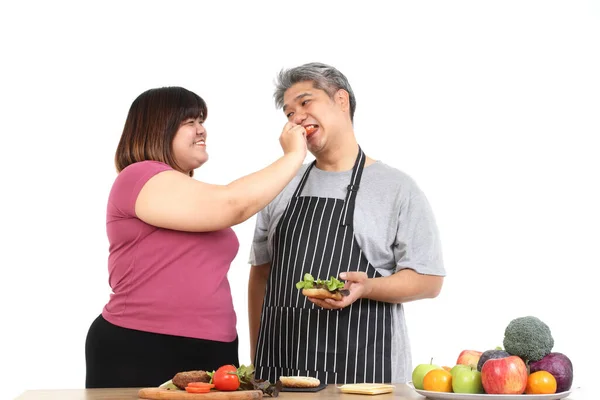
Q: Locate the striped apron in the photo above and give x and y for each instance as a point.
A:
(352, 345)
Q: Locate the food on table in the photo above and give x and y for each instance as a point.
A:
(506, 375)
(469, 357)
(199, 387)
(467, 380)
(490, 354)
(182, 379)
(366, 388)
(226, 378)
(526, 365)
(560, 366)
(420, 371)
(529, 338)
(299, 381)
(540, 382)
(438, 380)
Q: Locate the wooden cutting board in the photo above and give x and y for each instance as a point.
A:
(164, 394)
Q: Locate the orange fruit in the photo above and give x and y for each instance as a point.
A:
(438, 380)
(540, 382)
(447, 368)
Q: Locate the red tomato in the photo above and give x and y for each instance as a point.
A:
(201, 385)
(225, 378)
(192, 389)
(310, 130)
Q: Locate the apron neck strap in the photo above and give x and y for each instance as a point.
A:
(348, 210)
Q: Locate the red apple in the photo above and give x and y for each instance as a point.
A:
(507, 375)
(469, 357)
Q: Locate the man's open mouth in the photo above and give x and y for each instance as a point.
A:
(310, 129)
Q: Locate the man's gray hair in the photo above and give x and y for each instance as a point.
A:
(322, 76)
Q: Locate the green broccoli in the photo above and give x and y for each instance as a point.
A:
(529, 338)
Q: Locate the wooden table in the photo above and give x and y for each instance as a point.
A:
(402, 392)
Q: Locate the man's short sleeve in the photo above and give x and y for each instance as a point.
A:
(259, 251)
(418, 244)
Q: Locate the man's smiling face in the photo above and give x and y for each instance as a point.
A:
(319, 114)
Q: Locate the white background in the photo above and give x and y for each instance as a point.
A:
(492, 107)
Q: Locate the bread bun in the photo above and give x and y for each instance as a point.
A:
(299, 381)
(322, 294)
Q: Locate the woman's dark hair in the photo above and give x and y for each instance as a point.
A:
(152, 122)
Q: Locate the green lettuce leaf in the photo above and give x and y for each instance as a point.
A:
(309, 282)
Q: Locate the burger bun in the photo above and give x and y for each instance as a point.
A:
(299, 381)
(322, 294)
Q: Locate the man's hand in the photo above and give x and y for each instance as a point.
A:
(357, 283)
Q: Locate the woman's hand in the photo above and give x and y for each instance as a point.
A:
(293, 139)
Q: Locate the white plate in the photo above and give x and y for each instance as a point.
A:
(467, 396)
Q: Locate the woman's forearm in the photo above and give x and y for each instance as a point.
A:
(253, 192)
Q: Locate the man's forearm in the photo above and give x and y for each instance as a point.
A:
(257, 284)
(404, 286)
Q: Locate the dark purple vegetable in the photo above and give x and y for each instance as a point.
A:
(488, 355)
(559, 366)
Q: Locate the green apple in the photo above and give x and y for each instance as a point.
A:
(420, 371)
(458, 367)
(467, 380)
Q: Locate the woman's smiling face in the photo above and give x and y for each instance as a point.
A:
(189, 144)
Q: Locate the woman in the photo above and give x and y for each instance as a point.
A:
(171, 245)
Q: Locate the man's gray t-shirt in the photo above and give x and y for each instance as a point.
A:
(393, 225)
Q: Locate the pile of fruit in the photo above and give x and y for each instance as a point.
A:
(526, 365)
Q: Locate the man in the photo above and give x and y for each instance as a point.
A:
(345, 215)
